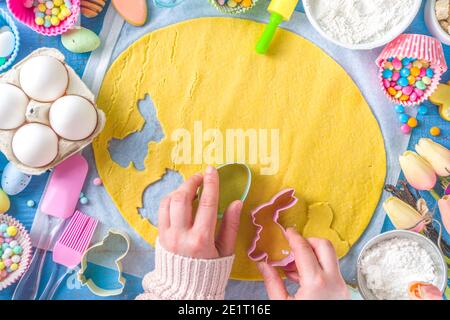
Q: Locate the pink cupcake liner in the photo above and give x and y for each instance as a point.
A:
(26, 16)
(415, 46)
(259, 228)
(24, 239)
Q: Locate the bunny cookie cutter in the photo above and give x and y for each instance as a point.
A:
(269, 213)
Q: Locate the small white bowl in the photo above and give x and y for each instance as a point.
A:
(388, 37)
(433, 24)
(425, 243)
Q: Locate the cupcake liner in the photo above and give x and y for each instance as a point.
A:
(227, 10)
(26, 16)
(6, 20)
(415, 46)
(24, 239)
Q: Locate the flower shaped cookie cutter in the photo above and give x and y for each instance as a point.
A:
(269, 213)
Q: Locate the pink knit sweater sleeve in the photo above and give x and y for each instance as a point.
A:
(182, 278)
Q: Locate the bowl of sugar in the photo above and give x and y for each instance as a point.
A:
(391, 261)
(361, 25)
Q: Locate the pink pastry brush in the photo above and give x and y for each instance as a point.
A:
(69, 250)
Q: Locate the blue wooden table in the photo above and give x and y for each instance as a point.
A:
(31, 41)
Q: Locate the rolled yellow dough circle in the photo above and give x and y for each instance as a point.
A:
(331, 148)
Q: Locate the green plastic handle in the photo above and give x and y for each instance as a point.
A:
(266, 38)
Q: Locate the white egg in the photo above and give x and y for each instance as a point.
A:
(73, 117)
(35, 145)
(7, 42)
(13, 105)
(44, 78)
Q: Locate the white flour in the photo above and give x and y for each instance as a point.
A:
(392, 264)
(359, 21)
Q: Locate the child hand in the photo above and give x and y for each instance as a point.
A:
(316, 270)
(183, 234)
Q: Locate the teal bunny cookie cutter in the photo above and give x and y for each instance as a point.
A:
(114, 241)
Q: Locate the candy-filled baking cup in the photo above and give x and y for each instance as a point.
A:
(229, 10)
(416, 46)
(26, 16)
(6, 20)
(23, 239)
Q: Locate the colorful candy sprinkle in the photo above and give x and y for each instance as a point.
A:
(406, 79)
(97, 182)
(412, 122)
(51, 12)
(403, 118)
(10, 250)
(405, 129)
(84, 200)
(30, 203)
(422, 110)
(399, 108)
(435, 131)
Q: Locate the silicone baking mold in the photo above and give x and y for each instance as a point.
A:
(6, 20)
(26, 16)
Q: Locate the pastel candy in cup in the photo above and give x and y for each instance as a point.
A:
(29, 15)
(415, 61)
(401, 83)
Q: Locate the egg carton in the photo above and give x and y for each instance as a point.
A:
(39, 113)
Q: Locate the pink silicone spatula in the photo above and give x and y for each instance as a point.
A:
(58, 203)
(69, 249)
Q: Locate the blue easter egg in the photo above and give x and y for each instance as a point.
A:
(13, 180)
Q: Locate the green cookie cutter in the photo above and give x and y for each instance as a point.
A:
(109, 245)
(235, 180)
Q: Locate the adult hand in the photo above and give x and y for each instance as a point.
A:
(316, 270)
(189, 235)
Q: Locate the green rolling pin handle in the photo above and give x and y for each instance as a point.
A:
(267, 36)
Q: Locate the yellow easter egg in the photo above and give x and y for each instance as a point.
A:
(327, 144)
(4, 202)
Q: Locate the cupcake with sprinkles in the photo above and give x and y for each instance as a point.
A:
(410, 68)
(15, 250)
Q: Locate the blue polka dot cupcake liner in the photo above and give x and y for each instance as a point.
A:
(6, 20)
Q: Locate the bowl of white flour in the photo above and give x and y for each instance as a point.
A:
(389, 262)
(361, 24)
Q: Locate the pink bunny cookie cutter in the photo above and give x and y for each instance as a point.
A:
(282, 201)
